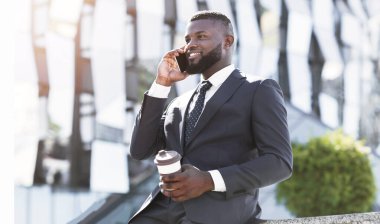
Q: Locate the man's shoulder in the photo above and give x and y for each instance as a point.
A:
(257, 79)
(259, 82)
(254, 78)
(251, 78)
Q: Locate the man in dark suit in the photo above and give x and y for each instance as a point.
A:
(232, 133)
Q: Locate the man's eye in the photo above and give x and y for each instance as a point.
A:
(201, 36)
(187, 40)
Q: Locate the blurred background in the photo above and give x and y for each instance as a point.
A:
(81, 67)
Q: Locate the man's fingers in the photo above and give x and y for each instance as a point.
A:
(166, 193)
(184, 185)
(175, 195)
(172, 186)
(171, 177)
(174, 53)
(185, 167)
(178, 193)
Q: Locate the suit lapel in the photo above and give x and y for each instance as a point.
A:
(225, 91)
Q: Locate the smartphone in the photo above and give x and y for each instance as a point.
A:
(182, 62)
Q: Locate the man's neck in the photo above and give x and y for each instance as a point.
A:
(207, 74)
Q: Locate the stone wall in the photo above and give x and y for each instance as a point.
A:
(362, 218)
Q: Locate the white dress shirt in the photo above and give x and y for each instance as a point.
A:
(217, 79)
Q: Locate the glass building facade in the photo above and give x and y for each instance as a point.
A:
(83, 65)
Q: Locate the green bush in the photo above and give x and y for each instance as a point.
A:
(331, 175)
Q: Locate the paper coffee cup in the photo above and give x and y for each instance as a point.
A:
(168, 162)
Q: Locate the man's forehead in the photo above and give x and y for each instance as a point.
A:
(203, 25)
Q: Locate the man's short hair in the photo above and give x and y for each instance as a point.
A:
(216, 16)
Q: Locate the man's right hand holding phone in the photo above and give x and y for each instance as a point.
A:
(168, 71)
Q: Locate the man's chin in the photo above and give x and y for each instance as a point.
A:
(192, 70)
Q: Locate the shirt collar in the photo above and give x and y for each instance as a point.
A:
(220, 76)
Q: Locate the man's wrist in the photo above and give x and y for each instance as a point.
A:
(163, 81)
(209, 182)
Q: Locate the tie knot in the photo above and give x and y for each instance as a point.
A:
(206, 85)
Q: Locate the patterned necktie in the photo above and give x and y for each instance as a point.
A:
(193, 116)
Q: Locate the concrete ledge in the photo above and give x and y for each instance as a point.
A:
(356, 218)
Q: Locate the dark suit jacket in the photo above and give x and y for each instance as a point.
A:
(242, 132)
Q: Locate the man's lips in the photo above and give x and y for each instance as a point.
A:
(194, 55)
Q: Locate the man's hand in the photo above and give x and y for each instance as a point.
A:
(190, 183)
(168, 71)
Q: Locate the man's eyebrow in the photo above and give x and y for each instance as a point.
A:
(198, 32)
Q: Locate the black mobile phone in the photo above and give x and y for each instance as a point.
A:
(182, 62)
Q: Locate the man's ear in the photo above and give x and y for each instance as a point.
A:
(228, 41)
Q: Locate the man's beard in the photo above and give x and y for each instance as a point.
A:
(206, 61)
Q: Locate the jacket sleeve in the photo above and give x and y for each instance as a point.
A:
(148, 133)
(270, 132)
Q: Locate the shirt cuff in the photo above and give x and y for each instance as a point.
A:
(219, 184)
(159, 91)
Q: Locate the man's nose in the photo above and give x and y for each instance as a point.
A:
(191, 45)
